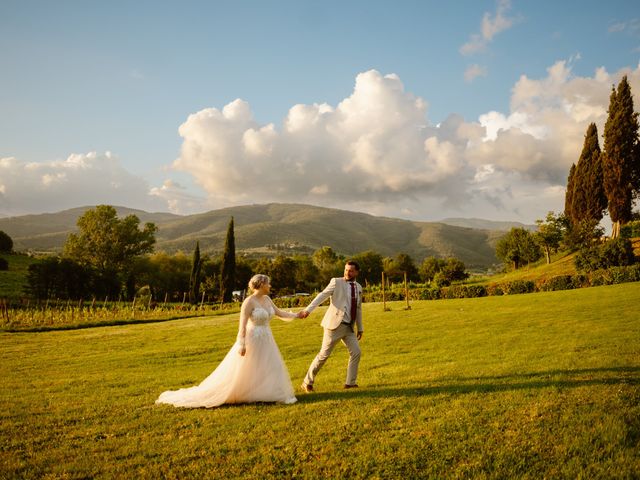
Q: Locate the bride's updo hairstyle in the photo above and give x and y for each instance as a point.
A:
(257, 281)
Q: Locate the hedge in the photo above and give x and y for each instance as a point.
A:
(608, 276)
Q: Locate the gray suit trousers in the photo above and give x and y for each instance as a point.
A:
(342, 333)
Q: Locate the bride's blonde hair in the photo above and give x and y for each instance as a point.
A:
(258, 280)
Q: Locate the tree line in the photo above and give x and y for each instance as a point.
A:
(114, 258)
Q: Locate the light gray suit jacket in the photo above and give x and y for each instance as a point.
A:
(339, 291)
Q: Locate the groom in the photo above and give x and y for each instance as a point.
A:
(345, 311)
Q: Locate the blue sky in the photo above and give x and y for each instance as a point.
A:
(93, 95)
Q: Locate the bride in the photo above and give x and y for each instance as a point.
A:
(253, 370)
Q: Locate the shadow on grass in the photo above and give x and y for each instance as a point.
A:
(560, 379)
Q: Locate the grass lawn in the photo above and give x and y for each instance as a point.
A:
(561, 264)
(542, 385)
(13, 281)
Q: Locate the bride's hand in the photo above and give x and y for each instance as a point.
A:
(243, 350)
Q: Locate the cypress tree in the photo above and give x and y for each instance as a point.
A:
(588, 201)
(228, 273)
(620, 162)
(568, 197)
(194, 279)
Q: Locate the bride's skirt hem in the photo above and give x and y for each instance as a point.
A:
(288, 401)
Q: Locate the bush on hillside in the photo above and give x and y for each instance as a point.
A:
(559, 282)
(615, 275)
(4, 264)
(464, 291)
(614, 253)
(518, 286)
(630, 230)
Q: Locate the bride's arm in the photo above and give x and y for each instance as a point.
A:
(286, 316)
(242, 327)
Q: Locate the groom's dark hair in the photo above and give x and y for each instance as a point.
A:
(355, 264)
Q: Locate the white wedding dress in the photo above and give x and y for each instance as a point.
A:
(258, 376)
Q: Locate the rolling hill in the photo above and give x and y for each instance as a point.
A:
(265, 229)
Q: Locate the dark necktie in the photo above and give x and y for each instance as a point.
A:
(354, 303)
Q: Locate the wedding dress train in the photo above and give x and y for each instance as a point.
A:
(258, 376)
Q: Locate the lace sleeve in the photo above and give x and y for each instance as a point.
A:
(244, 318)
(281, 314)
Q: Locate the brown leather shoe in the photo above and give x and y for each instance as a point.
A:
(350, 386)
(306, 388)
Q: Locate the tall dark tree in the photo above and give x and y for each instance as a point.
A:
(371, 267)
(307, 274)
(400, 265)
(283, 275)
(194, 279)
(568, 198)
(588, 201)
(228, 272)
(621, 171)
(6, 243)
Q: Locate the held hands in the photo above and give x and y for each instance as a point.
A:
(303, 314)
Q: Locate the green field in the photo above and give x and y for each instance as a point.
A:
(543, 385)
(13, 281)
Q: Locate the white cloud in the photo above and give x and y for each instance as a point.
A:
(490, 26)
(365, 146)
(630, 26)
(178, 199)
(81, 179)
(474, 71)
(375, 150)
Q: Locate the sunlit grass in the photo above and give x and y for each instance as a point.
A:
(529, 386)
(561, 264)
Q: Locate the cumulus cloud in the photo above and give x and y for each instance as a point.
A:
(490, 26)
(81, 179)
(370, 146)
(375, 150)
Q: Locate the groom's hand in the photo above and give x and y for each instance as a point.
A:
(359, 335)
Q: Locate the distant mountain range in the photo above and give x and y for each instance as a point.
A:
(287, 228)
(487, 224)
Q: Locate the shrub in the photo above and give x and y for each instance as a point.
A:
(4, 264)
(614, 253)
(618, 252)
(6, 243)
(581, 280)
(630, 230)
(588, 259)
(518, 286)
(476, 291)
(495, 289)
(614, 275)
(560, 282)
